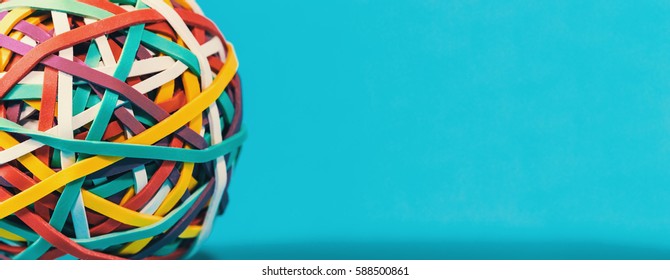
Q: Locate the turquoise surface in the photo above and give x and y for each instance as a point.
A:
(422, 129)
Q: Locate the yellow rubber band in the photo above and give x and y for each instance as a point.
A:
(6, 25)
(11, 236)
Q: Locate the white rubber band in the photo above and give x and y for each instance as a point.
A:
(32, 124)
(140, 172)
(206, 77)
(28, 41)
(65, 123)
(143, 67)
(185, 34)
(221, 180)
(103, 47)
(156, 201)
(162, 78)
(26, 113)
(139, 68)
(214, 46)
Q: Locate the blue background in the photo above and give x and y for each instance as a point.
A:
(405, 129)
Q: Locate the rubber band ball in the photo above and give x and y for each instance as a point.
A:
(120, 127)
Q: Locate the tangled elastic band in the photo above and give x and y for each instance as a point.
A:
(120, 125)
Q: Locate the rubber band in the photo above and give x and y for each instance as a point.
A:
(88, 166)
(95, 130)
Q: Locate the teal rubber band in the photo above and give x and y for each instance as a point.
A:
(130, 150)
(143, 119)
(92, 101)
(108, 240)
(9, 242)
(228, 109)
(124, 2)
(66, 6)
(82, 93)
(121, 72)
(115, 186)
(79, 99)
(168, 249)
(119, 184)
(27, 235)
(171, 49)
(55, 160)
(24, 92)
